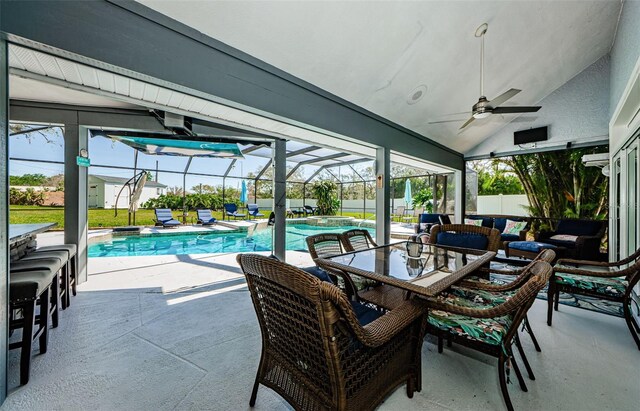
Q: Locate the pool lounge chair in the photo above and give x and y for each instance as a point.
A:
(254, 211)
(205, 217)
(231, 210)
(165, 219)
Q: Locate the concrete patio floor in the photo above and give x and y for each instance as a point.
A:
(179, 332)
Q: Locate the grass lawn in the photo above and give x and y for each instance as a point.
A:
(99, 218)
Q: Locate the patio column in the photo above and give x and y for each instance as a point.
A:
(75, 194)
(461, 191)
(4, 214)
(280, 198)
(383, 197)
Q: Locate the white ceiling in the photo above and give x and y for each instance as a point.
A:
(375, 54)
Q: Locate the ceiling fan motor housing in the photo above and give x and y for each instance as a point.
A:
(482, 108)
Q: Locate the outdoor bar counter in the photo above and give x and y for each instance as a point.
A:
(22, 237)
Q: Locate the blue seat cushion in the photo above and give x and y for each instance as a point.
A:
(170, 222)
(365, 314)
(430, 218)
(530, 246)
(318, 273)
(475, 241)
(579, 227)
(509, 237)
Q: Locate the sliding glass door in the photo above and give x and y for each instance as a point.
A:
(633, 179)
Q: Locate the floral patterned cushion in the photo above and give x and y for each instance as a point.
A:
(477, 297)
(514, 227)
(613, 286)
(488, 330)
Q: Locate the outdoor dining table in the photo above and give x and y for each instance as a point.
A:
(423, 269)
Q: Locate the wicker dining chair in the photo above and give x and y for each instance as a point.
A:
(315, 353)
(328, 245)
(491, 330)
(465, 236)
(357, 239)
(382, 295)
(477, 291)
(603, 280)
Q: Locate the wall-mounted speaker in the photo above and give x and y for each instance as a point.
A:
(532, 135)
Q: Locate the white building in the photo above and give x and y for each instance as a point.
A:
(103, 191)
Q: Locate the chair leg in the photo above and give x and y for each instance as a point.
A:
(55, 301)
(74, 273)
(29, 313)
(503, 382)
(527, 327)
(440, 341)
(44, 320)
(410, 387)
(629, 320)
(64, 286)
(551, 292)
(66, 271)
(524, 359)
(557, 300)
(254, 392)
(523, 386)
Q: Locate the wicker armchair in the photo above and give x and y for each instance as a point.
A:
(491, 330)
(607, 281)
(463, 232)
(477, 291)
(315, 353)
(357, 239)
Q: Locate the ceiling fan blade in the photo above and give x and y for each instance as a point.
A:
(446, 121)
(467, 123)
(503, 97)
(515, 109)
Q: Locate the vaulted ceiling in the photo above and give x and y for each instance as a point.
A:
(376, 54)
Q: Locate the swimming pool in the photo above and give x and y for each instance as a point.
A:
(199, 243)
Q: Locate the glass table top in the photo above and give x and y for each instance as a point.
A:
(422, 265)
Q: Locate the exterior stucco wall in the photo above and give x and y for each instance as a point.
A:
(625, 51)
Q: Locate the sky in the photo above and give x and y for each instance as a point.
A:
(104, 151)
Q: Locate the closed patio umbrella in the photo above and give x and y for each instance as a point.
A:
(407, 193)
(243, 193)
(137, 192)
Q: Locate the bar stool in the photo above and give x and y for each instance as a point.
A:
(54, 263)
(63, 256)
(27, 289)
(72, 249)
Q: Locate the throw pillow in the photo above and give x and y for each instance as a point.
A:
(565, 237)
(471, 221)
(514, 227)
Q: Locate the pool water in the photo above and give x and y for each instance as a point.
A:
(199, 243)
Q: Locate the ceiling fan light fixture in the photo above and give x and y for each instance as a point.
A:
(484, 114)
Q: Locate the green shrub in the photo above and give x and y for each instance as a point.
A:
(27, 197)
(191, 202)
(326, 196)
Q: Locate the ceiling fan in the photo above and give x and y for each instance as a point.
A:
(484, 108)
